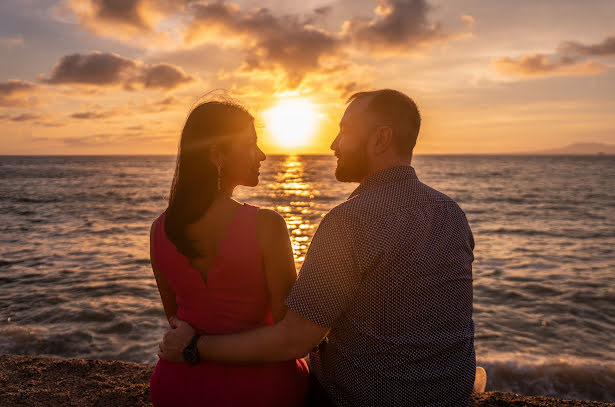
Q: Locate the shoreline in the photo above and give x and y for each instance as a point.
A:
(47, 381)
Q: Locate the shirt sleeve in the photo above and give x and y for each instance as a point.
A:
(329, 277)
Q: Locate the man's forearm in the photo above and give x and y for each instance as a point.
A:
(262, 345)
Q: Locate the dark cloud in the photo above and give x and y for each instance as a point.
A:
(288, 42)
(15, 86)
(26, 117)
(569, 59)
(91, 115)
(543, 65)
(164, 76)
(604, 48)
(17, 93)
(105, 69)
(96, 68)
(399, 25)
(123, 11)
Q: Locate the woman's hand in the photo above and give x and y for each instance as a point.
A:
(175, 340)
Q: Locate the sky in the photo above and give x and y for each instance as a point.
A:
(120, 76)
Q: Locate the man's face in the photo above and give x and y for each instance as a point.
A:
(351, 142)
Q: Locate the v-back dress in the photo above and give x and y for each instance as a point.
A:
(234, 299)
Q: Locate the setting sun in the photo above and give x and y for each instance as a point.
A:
(292, 122)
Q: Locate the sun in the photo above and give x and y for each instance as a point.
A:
(292, 122)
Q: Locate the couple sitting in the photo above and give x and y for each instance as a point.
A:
(383, 302)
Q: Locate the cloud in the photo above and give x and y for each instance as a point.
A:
(34, 118)
(96, 68)
(107, 69)
(125, 19)
(543, 65)
(345, 89)
(16, 86)
(26, 117)
(17, 93)
(569, 59)
(91, 115)
(164, 76)
(283, 46)
(130, 12)
(468, 20)
(289, 42)
(400, 25)
(604, 48)
(13, 41)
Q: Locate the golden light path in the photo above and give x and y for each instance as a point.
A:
(292, 122)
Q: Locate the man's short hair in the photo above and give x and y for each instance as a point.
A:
(397, 110)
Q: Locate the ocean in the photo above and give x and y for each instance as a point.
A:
(76, 281)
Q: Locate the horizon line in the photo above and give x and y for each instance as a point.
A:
(518, 154)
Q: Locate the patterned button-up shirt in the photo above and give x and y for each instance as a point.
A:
(390, 272)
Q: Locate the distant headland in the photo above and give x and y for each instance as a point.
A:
(578, 149)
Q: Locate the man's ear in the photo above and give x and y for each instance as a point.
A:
(382, 140)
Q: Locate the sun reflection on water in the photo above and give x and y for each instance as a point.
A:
(290, 182)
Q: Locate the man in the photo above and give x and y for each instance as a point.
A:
(387, 280)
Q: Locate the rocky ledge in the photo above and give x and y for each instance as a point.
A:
(43, 381)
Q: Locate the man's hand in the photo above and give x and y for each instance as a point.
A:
(175, 340)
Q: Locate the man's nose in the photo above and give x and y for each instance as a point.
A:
(335, 143)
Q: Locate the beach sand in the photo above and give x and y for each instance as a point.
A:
(44, 381)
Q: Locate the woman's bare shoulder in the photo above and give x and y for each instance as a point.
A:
(270, 223)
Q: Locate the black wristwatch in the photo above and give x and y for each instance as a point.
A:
(191, 352)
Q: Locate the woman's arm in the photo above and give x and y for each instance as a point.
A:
(278, 260)
(167, 295)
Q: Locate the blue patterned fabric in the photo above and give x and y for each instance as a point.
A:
(390, 272)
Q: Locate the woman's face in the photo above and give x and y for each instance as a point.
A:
(243, 160)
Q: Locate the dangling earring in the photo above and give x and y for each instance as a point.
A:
(219, 177)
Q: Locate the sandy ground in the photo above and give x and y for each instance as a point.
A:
(42, 381)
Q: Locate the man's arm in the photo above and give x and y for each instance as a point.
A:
(292, 338)
(326, 286)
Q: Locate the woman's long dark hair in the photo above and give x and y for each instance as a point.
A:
(195, 182)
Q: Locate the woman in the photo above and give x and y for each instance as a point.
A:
(222, 266)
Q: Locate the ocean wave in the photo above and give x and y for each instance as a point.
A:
(577, 380)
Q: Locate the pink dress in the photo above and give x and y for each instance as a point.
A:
(235, 299)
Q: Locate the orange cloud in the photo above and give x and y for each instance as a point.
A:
(293, 45)
(125, 19)
(269, 42)
(542, 65)
(106, 69)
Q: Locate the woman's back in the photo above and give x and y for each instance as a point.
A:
(232, 298)
(235, 296)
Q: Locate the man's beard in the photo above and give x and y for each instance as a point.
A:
(352, 167)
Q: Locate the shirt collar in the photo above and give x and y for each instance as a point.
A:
(386, 176)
